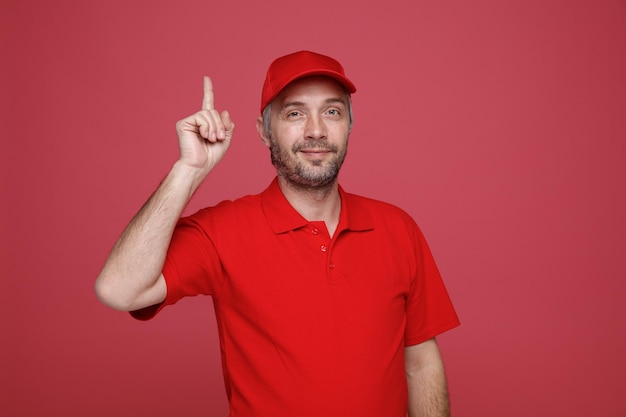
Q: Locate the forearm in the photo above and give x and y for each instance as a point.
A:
(129, 278)
(426, 380)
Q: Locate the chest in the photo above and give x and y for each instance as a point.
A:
(356, 278)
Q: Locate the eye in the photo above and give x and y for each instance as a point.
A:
(292, 114)
(334, 113)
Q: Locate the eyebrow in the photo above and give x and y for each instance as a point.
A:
(331, 100)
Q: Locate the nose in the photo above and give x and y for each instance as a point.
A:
(315, 127)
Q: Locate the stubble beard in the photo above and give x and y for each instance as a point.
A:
(302, 176)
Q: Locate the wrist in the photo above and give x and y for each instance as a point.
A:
(185, 176)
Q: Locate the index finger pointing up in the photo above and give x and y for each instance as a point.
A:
(207, 100)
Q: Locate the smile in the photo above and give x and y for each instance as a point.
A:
(313, 153)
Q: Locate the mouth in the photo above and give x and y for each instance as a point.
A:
(315, 153)
(315, 149)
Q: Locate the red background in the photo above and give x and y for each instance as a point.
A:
(500, 126)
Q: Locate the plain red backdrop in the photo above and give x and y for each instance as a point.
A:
(500, 126)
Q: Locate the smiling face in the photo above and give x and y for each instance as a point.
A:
(309, 129)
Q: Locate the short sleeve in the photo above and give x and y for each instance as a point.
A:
(429, 310)
(192, 267)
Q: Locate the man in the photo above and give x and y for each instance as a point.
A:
(327, 303)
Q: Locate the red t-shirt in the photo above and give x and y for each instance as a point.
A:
(310, 325)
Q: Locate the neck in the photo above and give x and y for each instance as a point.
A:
(314, 204)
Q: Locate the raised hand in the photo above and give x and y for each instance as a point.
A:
(132, 277)
(205, 136)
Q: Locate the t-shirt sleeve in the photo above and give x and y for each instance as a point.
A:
(192, 267)
(429, 309)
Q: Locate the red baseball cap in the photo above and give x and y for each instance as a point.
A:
(289, 68)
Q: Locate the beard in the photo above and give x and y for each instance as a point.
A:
(300, 173)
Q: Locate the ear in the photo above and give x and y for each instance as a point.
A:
(262, 133)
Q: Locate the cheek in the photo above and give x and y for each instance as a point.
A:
(287, 136)
(340, 134)
(339, 127)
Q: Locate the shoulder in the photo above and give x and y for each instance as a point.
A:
(379, 211)
(228, 211)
